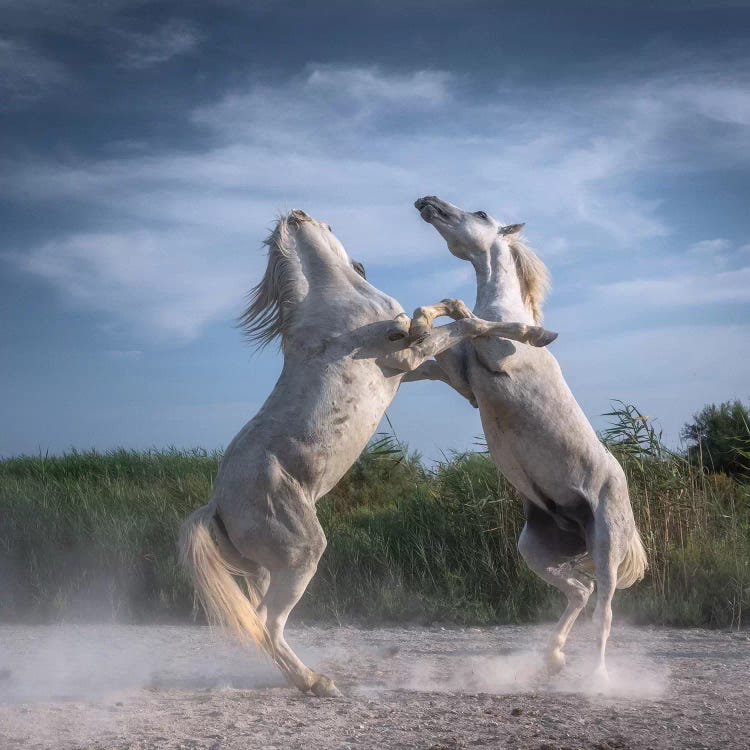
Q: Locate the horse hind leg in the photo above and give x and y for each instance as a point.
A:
(577, 591)
(286, 568)
(619, 558)
(607, 553)
(548, 550)
(257, 578)
(285, 590)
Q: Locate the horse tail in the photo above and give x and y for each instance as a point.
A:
(633, 567)
(221, 597)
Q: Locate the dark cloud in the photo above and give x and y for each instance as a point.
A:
(149, 144)
(26, 74)
(170, 40)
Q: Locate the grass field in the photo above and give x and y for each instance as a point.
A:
(92, 536)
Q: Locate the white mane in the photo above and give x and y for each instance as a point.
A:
(533, 275)
(272, 302)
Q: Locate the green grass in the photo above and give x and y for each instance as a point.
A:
(92, 536)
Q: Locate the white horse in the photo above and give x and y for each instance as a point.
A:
(578, 513)
(345, 352)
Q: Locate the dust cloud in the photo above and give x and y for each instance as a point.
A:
(100, 662)
(525, 672)
(95, 662)
(163, 688)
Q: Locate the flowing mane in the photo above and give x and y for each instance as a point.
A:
(533, 275)
(271, 303)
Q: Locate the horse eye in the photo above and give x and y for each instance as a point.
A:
(329, 227)
(480, 214)
(359, 268)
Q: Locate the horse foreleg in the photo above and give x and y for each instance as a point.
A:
(421, 321)
(534, 335)
(437, 340)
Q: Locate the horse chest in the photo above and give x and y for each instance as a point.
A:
(353, 405)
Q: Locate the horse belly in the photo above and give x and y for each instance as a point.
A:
(503, 450)
(537, 444)
(544, 483)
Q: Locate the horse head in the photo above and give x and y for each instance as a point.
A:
(510, 276)
(309, 277)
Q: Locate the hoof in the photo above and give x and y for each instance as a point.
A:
(418, 332)
(538, 336)
(554, 661)
(400, 329)
(600, 678)
(323, 687)
(458, 309)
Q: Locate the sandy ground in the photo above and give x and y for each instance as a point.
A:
(68, 687)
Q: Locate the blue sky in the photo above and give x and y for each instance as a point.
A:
(148, 146)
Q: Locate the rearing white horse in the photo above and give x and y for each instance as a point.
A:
(578, 512)
(345, 353)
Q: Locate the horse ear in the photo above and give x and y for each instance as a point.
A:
(511, 229)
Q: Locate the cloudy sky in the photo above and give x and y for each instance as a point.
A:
(148, 146)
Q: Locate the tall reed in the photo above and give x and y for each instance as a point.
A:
(92, 536)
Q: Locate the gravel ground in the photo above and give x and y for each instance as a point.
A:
(67, 687)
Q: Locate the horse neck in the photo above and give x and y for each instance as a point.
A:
(499, 293)
(335, 301)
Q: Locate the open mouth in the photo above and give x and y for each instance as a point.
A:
(430, 209)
